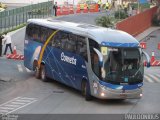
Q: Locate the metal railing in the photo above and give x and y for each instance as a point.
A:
(10, 19)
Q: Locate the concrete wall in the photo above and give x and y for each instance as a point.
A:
(136, 24)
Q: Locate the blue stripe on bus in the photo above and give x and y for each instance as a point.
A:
(62, 71)
(114, 44)
(121, 87)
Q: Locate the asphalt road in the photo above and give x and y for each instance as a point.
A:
(153, 40)
(28, 95)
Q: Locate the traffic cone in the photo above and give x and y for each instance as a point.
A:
(143, 45)
(78, 9)
(158, 46)
(85, 10)
(59, 11)
(65, 10)
(22, 57)
(14, 50)
(96, 8)
(71, 11)
(152, 57)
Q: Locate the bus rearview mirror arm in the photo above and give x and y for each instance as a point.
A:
(147, 58)
(100, 56)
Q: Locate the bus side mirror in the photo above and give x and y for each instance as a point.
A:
(100, 56)
(147, 58)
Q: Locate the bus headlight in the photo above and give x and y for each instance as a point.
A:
(102, 94)
(141, 95)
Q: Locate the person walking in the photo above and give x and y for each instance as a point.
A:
(55, 8)
(7, 39)
(1, 45)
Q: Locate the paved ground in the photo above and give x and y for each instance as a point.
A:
(29, 95)
(153, 40)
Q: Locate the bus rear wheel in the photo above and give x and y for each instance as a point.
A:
(43, 73)
(85, 91)
(37, 72)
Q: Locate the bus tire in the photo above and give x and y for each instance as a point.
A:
(85, 90)
(37, 72)
(43, 73)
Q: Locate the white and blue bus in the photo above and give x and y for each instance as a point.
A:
(97, 61)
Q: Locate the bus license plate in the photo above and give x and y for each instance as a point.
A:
(123, 95)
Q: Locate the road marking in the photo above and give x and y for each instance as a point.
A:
(148, 79)
(158, 63)
(28, 98)
(158, 79)
(12, 105)
(154, 77)
(15, 104)
(21, 100)
(3, 111)
(20, 68)
(28, 70)
(6, 108)
(154, 62)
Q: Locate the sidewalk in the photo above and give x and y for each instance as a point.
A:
(146, 33)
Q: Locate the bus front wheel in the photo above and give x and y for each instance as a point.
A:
(85, 91)
(43, 73)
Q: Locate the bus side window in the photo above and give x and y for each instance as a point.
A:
(64, 39)
(29, 32)
(81, 47)
(94, 57)
(71, 43)
(45, 34)
(36, 33)
(59, 39)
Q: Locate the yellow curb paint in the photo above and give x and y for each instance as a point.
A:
(44, 47)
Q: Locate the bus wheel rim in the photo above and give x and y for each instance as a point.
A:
(43, 74)
(85, 89)
(36, 72)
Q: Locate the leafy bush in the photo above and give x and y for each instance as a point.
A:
(104, 21)
(120, 15)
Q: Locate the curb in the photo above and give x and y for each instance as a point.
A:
(146, 33)
(5, 79)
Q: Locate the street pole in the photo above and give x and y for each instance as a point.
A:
(138, 6)
(119, 9)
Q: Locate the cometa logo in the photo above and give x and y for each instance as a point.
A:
(68, 59)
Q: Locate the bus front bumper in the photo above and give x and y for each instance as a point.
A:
(107, 93)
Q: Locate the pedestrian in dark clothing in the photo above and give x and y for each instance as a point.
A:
(1, 45)
(8, 42)
(55, 8)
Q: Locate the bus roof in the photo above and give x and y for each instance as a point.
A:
(104, 36)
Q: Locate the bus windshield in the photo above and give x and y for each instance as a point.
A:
(123, 66)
